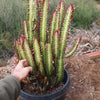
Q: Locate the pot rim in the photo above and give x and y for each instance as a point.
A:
(61, 89)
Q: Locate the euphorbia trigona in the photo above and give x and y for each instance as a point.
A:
(43, 46)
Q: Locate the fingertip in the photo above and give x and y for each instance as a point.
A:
(22, 61)
(29, 69)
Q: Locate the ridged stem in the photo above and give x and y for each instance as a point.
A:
(52, 25)
(35, 17)
(21, 51)
(56, 44)
(64, 31)
(25, 29)
(17, 49)
(49, 66)
(42, 44)
(60, 71)
(28, 55)
(61, 12)
(37, 55)
(57, 19)
(21, 39)
(43, 23)
(30, 19)
(73, 48)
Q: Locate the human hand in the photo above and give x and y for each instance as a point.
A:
(21, 71)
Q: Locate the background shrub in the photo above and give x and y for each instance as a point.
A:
(12, 14)
(85, 11)
(6, 47)
(98, 1)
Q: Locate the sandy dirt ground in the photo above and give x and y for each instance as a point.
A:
(84, 76)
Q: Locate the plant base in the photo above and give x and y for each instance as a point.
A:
(57, 95)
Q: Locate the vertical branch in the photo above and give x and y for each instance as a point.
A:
(64, 31)
(56, 44)
(60, 71)
(49, 66)
(43, 23)
(42, 44)
(37, 55)
(28, 55)
(57, 19)
(17, 49)
(30, 19)
(61, 12)
(21, 51)
(25, 29)
(52, 25)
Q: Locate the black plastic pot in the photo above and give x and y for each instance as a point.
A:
(58, 95)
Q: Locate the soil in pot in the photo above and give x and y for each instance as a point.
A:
(53, 93)
(34, 87)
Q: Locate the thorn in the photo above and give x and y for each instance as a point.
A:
(53, 14)
(25, 21)
(34, 38)
(56, 32)
(47, 83)
(40, 77)
(60, 4)
(72, 8)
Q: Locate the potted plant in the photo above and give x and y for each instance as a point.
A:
(43, 44)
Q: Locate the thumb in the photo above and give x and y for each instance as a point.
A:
(27, 70)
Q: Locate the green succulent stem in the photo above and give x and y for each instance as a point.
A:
(21, 40)
(35, 15)
(57, 20)
(25, 29)
(52, 25)
(17, 49)
(43, 50)
(30, 19)
(43, 23)
(64, 31)
(61, 12)
(49, 65)
(28, 55)
(37, 55)
(70, 53)
(21, 52)
(56, 44)
(60, 71)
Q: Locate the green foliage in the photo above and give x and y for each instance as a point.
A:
(6, 44)
(98, 21)
(12, 14)
(6, 47)
(2, 62)
(98, 1)
(85, 11)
